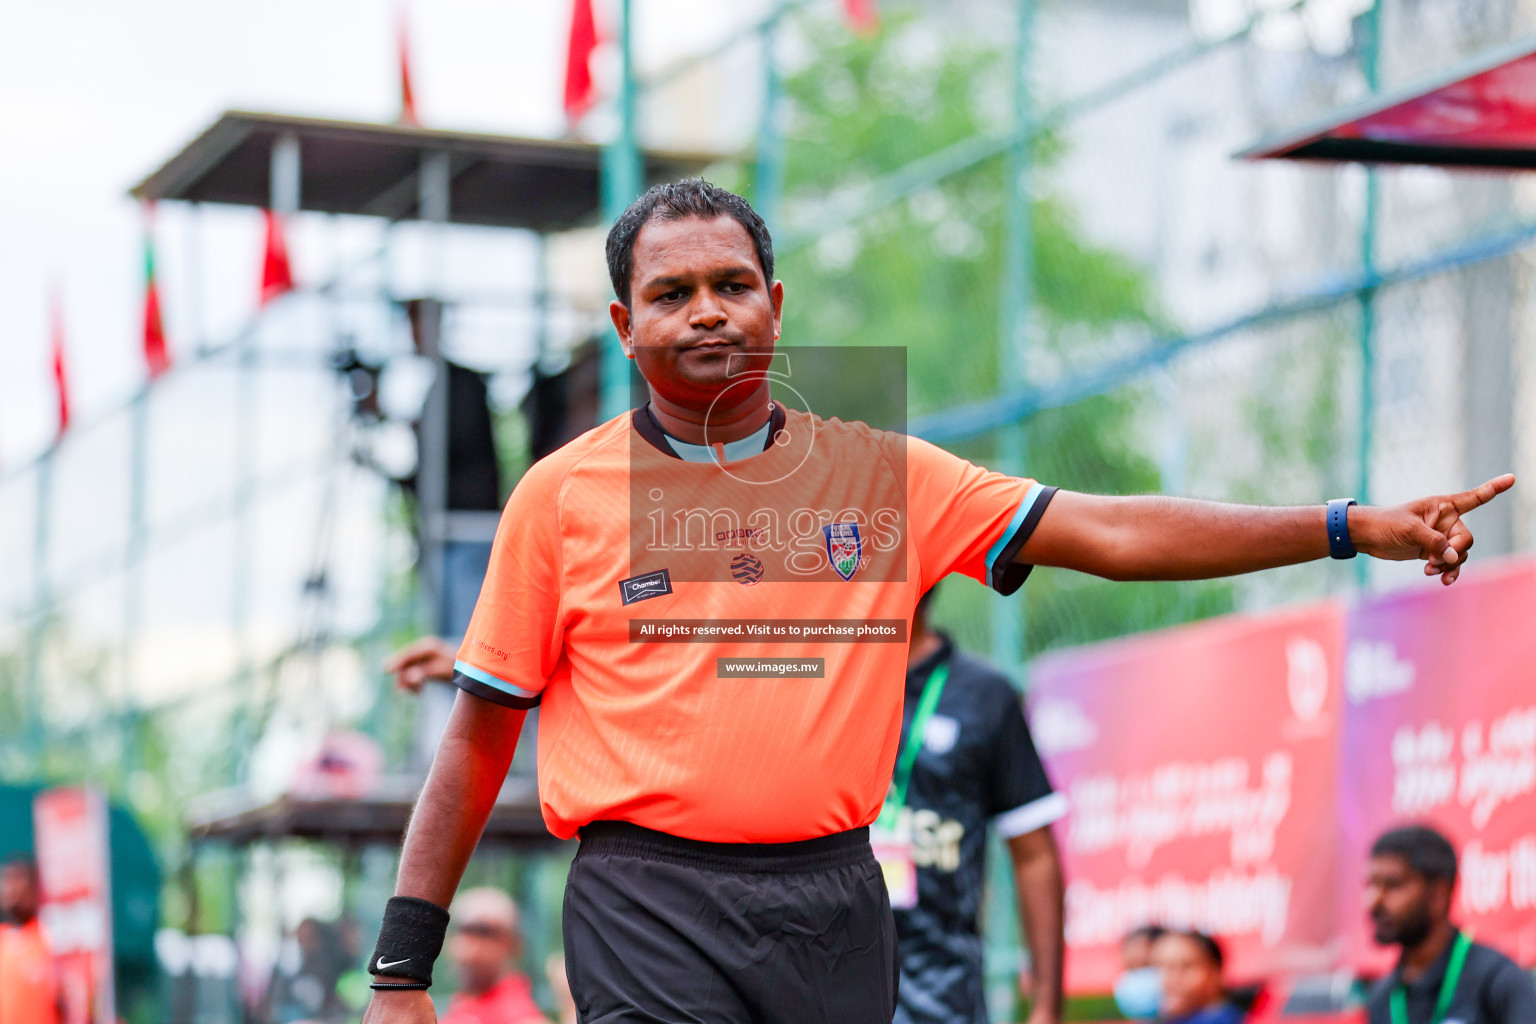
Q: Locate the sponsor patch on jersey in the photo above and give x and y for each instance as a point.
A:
(747, 569)
(645, 586)
(844, 547)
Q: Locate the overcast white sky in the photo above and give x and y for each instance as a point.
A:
(94, 94)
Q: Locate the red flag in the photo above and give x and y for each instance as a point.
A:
(407, 94)
(60, 378)
(578, 60)
(863, 15)
(156, 355)
(276, 272)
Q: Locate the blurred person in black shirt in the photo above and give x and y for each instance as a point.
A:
(972, 765)
(1442, 975)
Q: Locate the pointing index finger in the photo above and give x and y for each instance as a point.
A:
(1466, 501)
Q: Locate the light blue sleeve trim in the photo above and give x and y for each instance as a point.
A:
(1031, 816)
(1030, 497)
(479, 675)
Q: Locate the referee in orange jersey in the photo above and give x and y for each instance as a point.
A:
(708, 598)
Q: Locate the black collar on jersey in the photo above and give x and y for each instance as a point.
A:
(649, 427)
(918, 674)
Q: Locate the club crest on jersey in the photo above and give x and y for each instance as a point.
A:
(844, 548)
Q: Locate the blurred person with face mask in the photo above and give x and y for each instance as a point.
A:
(29, 991)
(1442, 976)
(1189, 965)
(1139, 990)
(486, 941)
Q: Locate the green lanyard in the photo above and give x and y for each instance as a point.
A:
(1447, 987)
(896, 797)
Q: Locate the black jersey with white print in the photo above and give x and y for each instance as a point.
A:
(977, 767)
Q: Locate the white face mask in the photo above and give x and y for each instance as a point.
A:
(1139, 993)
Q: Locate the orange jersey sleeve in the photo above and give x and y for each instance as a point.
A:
(968, 519)
(516, 634)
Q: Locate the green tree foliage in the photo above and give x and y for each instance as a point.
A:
(925, 273)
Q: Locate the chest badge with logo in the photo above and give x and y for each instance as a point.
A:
(645, 586)
(747, 569)
(844, 547)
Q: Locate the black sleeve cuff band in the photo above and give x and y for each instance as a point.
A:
(410, 939)
(1004, 575)
(474, 687)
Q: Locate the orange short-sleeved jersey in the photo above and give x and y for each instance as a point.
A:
(624, 579)
(28, 987)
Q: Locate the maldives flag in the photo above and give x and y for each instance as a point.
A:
(863, 15)
(156, 355)
(276, 272)
(60, 377)
(578, 60)
(407, 94)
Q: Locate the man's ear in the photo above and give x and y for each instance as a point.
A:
(1444, 897)
(776, 296)
(620, 315)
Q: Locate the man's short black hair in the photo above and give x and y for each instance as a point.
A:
(1150, 932)
(20, 861)
(691, 197)
(1425, 850)
(1209, 947)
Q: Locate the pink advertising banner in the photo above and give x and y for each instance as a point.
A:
(1440, 727)
(1200, 763)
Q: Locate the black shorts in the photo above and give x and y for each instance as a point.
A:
(662, 929)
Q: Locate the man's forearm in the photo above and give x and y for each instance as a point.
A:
(1153, 538)
(1157, 538)
(1037, 879)
(467, 774)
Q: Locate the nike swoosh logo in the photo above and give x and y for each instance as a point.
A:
(382, 966)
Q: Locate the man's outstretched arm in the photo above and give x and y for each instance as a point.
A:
(1155, 538)
(467, 772)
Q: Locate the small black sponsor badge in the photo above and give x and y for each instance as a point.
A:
(646, 585)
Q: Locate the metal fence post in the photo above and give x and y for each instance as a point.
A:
(1008, 619)
(1370, 66)
(770, 142)
(621, 184)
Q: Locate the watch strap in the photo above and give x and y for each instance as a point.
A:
(1339, 545)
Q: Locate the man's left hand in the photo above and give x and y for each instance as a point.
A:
(1429, 528)
(427, 658)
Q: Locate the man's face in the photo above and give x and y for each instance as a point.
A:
(698, 298)
(1191, 982)
(1136, 952)
(1403, 904)
(18, 893)
(481, 952)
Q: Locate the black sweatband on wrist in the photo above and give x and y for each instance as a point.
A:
(410, 939)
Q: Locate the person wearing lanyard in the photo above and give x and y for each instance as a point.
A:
(1442, 976)
(966, 760)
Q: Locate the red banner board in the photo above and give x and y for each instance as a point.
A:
(70, 836)
(1493, 109)
(1200, 763)
(1440, 727)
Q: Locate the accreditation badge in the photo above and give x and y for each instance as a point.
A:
(893, 851)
